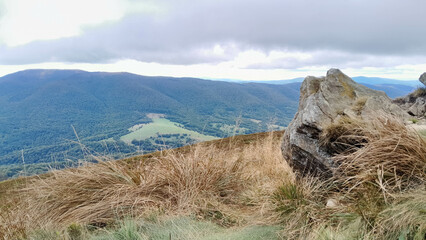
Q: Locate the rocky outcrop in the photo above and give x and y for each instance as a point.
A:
(422, 78)
(323, 101)
(415, 103)
(418, 108)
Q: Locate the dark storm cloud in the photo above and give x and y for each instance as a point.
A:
(185, 34)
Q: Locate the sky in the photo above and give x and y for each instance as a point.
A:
(216, 39)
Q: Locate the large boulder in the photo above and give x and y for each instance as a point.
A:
(423, 78)
(323, 101)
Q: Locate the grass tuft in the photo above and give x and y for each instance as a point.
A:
(343, 136)
(228, 182)
(377, 193)
(419, 92)
(302, 205)
(359, 105)
(393, 158)
(405, 218)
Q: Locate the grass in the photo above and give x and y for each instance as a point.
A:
(343, 135)
(414, 120)
(359, 105)
(348, 90)
(185, 228)
(102, 192)
(302, 206)
(234, 188)
(227, 182)
(162, 126)
(392, 157)
(412, 97)
(405, 218)
(378, 189)
(419, 92)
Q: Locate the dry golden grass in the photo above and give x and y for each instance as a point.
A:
(12, 225)
(379, 190)
(230, 183)
(348, 89)
(391, 157)
(343, 136)
(419, 92)
(359, 105)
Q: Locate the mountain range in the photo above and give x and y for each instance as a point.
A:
(46, 116)
(394, 88)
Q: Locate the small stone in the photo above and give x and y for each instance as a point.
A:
(332, 203)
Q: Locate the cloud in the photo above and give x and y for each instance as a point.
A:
(328, 59)
(352, 33)
(28, 20)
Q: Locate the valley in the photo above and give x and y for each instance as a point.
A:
(46, 116)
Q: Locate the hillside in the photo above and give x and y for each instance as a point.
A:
(40, 108)
(209, 165)
(235, 188)
(53, 118)
(344, 172)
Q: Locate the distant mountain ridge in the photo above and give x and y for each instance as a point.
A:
(394, 88)
(359, 79)
(377, 80)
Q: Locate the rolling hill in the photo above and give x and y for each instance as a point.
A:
(40, 109)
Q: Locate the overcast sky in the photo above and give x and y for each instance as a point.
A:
(222, 39)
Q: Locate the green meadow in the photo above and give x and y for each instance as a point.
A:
(162, 126)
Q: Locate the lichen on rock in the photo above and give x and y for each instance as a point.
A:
(323, 102)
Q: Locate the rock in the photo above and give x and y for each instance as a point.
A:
(414, 103)
(324, 100)
(423, 78)
(332, 203)
(418, 109)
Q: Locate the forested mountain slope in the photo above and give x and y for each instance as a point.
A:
(39, 108)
